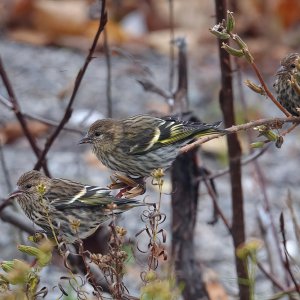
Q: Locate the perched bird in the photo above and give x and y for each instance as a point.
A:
(138, 145)
(73, 210)
(287, 95)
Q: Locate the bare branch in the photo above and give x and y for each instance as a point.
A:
(80, 75)
(270, 276)
(213, 196)
(14, 105)
(150, 86)
(287, 263)
(17, 220)
(52, 123)
(252, 157)
(246, 126)
(269, 94)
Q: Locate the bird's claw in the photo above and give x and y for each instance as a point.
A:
(129, 187)
(135, 191)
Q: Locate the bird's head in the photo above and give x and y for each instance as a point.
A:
(102, 134)
(33, 183)
(289, 65)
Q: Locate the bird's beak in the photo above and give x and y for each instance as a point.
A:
(85, 140)
(15, 193)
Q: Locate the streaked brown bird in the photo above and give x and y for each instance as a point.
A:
(73, 210)
(287, 95)
(139, 144)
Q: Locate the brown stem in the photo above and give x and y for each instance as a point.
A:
(269, 94)
(185, 170)
(80, 75)
(184, 214)
(234, 152)
(289, 129)
(287, 261)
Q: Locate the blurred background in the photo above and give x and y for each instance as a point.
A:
(44, 44)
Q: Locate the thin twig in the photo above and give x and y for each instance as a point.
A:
(289, 202)
(270, 276)
(108, 74)
(250, 158)
(19, 115)
(287, 263)
(269, 94)
(143, 69)
(43, 120)
(275, 257)
(149, 86)
(88, 273)
(213, 196)
(80, 75)
(246, 126)
(279, 262)
(289, 129)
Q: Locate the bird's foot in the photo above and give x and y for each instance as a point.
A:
(131, 192)
(129, 187)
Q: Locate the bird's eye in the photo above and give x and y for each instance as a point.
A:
(293, 66)
(28, 186)
(97, 133)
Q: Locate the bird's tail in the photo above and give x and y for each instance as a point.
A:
(209, 129)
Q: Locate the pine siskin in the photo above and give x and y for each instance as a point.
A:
(73, 210)
(287, 95)
(138, 145)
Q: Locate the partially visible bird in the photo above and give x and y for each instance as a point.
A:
(287, 95)
(73, 210)
(139, 144)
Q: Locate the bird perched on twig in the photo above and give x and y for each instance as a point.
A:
(287, 83)
(70, 209)
(139, 144)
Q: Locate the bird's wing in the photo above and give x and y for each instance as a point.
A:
(68, 194)
(148, 134)
(174, 130)
(141, 134)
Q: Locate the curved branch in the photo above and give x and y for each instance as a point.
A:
(43, 120)
(80, 75)
(15, 107)
(246, 126)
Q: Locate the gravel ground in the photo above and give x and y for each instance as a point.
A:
(39, 74)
